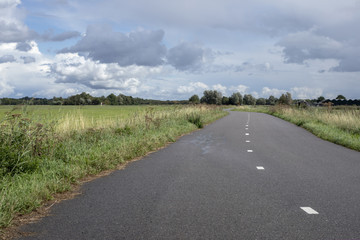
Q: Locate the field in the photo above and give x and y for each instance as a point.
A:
(340, 125)
(47, 149)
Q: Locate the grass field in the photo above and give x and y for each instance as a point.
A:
(340, 125)
(46, 149)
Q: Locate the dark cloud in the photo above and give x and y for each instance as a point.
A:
(302, 46)
(309, 45)
(349, 64)
(50, 36)
(23, 46)
(28, 59)
(7, 58)
(188, 56)
(143, 48)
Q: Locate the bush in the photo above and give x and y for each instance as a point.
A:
(195, 119)
(22, 144)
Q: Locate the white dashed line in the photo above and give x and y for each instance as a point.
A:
(260, 168)
(246, 128)
(247, 134)
(247, 141)
(249, 150)
(309, 210)
(246, 125)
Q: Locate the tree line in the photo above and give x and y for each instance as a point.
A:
(209, 97)
(215, 97)
(87, 99)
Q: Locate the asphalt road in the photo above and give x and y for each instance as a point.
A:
(210, 185)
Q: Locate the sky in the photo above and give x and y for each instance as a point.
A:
(171, 50)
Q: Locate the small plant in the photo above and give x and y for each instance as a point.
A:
(123, 131)
(195, 119)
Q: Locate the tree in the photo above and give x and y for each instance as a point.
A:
(194, 99)
(236, 99)
(225, 101)
(285, 99)
(271, 100)
(212, 97)
(340, 97)
(261, 101)
(320, 99)
(249, 99)
(112, 99)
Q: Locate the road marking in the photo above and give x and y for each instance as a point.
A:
(260, 168)
(247, 134)
(246, 128)
(249, 150)
(309, 210)
(246, 125)
(247, 140)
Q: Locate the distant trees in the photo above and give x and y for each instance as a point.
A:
(285, 99)
(320, 99)
(271, 100)
(249, 99)
(340, 97)
(212, 97)
(236, 99)
(194, 99)
(261, 101)
(225, 101)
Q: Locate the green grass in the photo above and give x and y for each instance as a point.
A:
(340, 125)
(49, 159)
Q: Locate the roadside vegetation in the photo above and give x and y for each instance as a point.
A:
(340, 125)
(46, 149)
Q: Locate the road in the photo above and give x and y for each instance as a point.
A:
(246, 176)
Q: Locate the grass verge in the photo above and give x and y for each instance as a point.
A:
(47, 160)
(337, 125)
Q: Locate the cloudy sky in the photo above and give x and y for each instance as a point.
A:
(163, 49)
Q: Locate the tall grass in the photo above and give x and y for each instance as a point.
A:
(339, 125)
(47, 157)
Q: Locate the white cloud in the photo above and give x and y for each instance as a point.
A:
(5, 89)
(7, 59)
(220, 88)
(267, 92)
(239, 88)
(72, 68)
(193, 87)
(306, 92)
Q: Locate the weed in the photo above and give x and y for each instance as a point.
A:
(195, 119)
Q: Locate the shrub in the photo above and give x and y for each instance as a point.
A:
(22, 144)
(195, 119)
